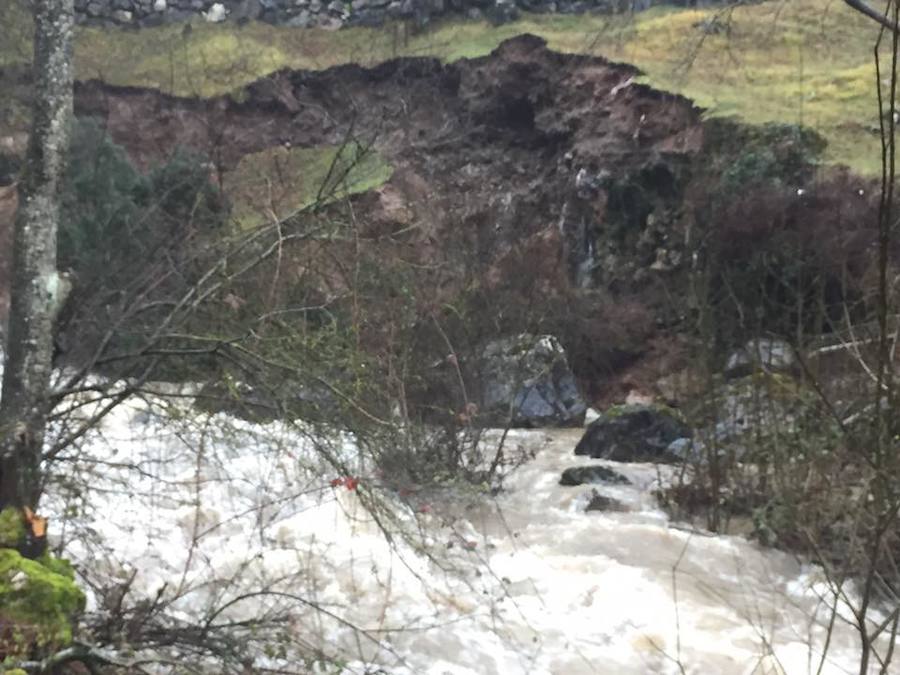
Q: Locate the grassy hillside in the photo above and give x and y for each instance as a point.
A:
(807, 61)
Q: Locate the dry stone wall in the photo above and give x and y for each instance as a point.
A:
(334, 13)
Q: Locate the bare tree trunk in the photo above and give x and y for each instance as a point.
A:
(37, 290)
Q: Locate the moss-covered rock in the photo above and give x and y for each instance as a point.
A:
(39, 602)
(634, 433)
(764, 417)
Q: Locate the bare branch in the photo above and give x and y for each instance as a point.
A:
(873, 14)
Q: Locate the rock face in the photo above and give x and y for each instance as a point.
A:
(585, 475)
(527, 380)
(633, 433)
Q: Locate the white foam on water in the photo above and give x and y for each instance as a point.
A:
(527, 583)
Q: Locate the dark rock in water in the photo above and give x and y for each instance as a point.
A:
(581, 475)
(633, 433)
(528, 377)
(600, 503)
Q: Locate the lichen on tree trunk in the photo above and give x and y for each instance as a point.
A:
(35, 282)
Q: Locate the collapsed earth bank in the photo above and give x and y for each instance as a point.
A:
(524, 191)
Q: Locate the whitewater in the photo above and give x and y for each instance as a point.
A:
(227, 519)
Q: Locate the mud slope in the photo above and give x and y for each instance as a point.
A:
(520, 161)
(494, 143)
(521, 97)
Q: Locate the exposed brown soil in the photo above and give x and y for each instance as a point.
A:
(507, 167)
(487, 154)
(489, 146)
(525, 100)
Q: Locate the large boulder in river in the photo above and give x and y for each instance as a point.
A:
(600, 502)
(526, 381)
(584, 475)
(633, 433)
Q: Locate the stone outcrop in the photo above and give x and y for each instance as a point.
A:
(526, 380)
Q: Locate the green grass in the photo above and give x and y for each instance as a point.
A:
(15, 47)
(803, 61)
(277, 182)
